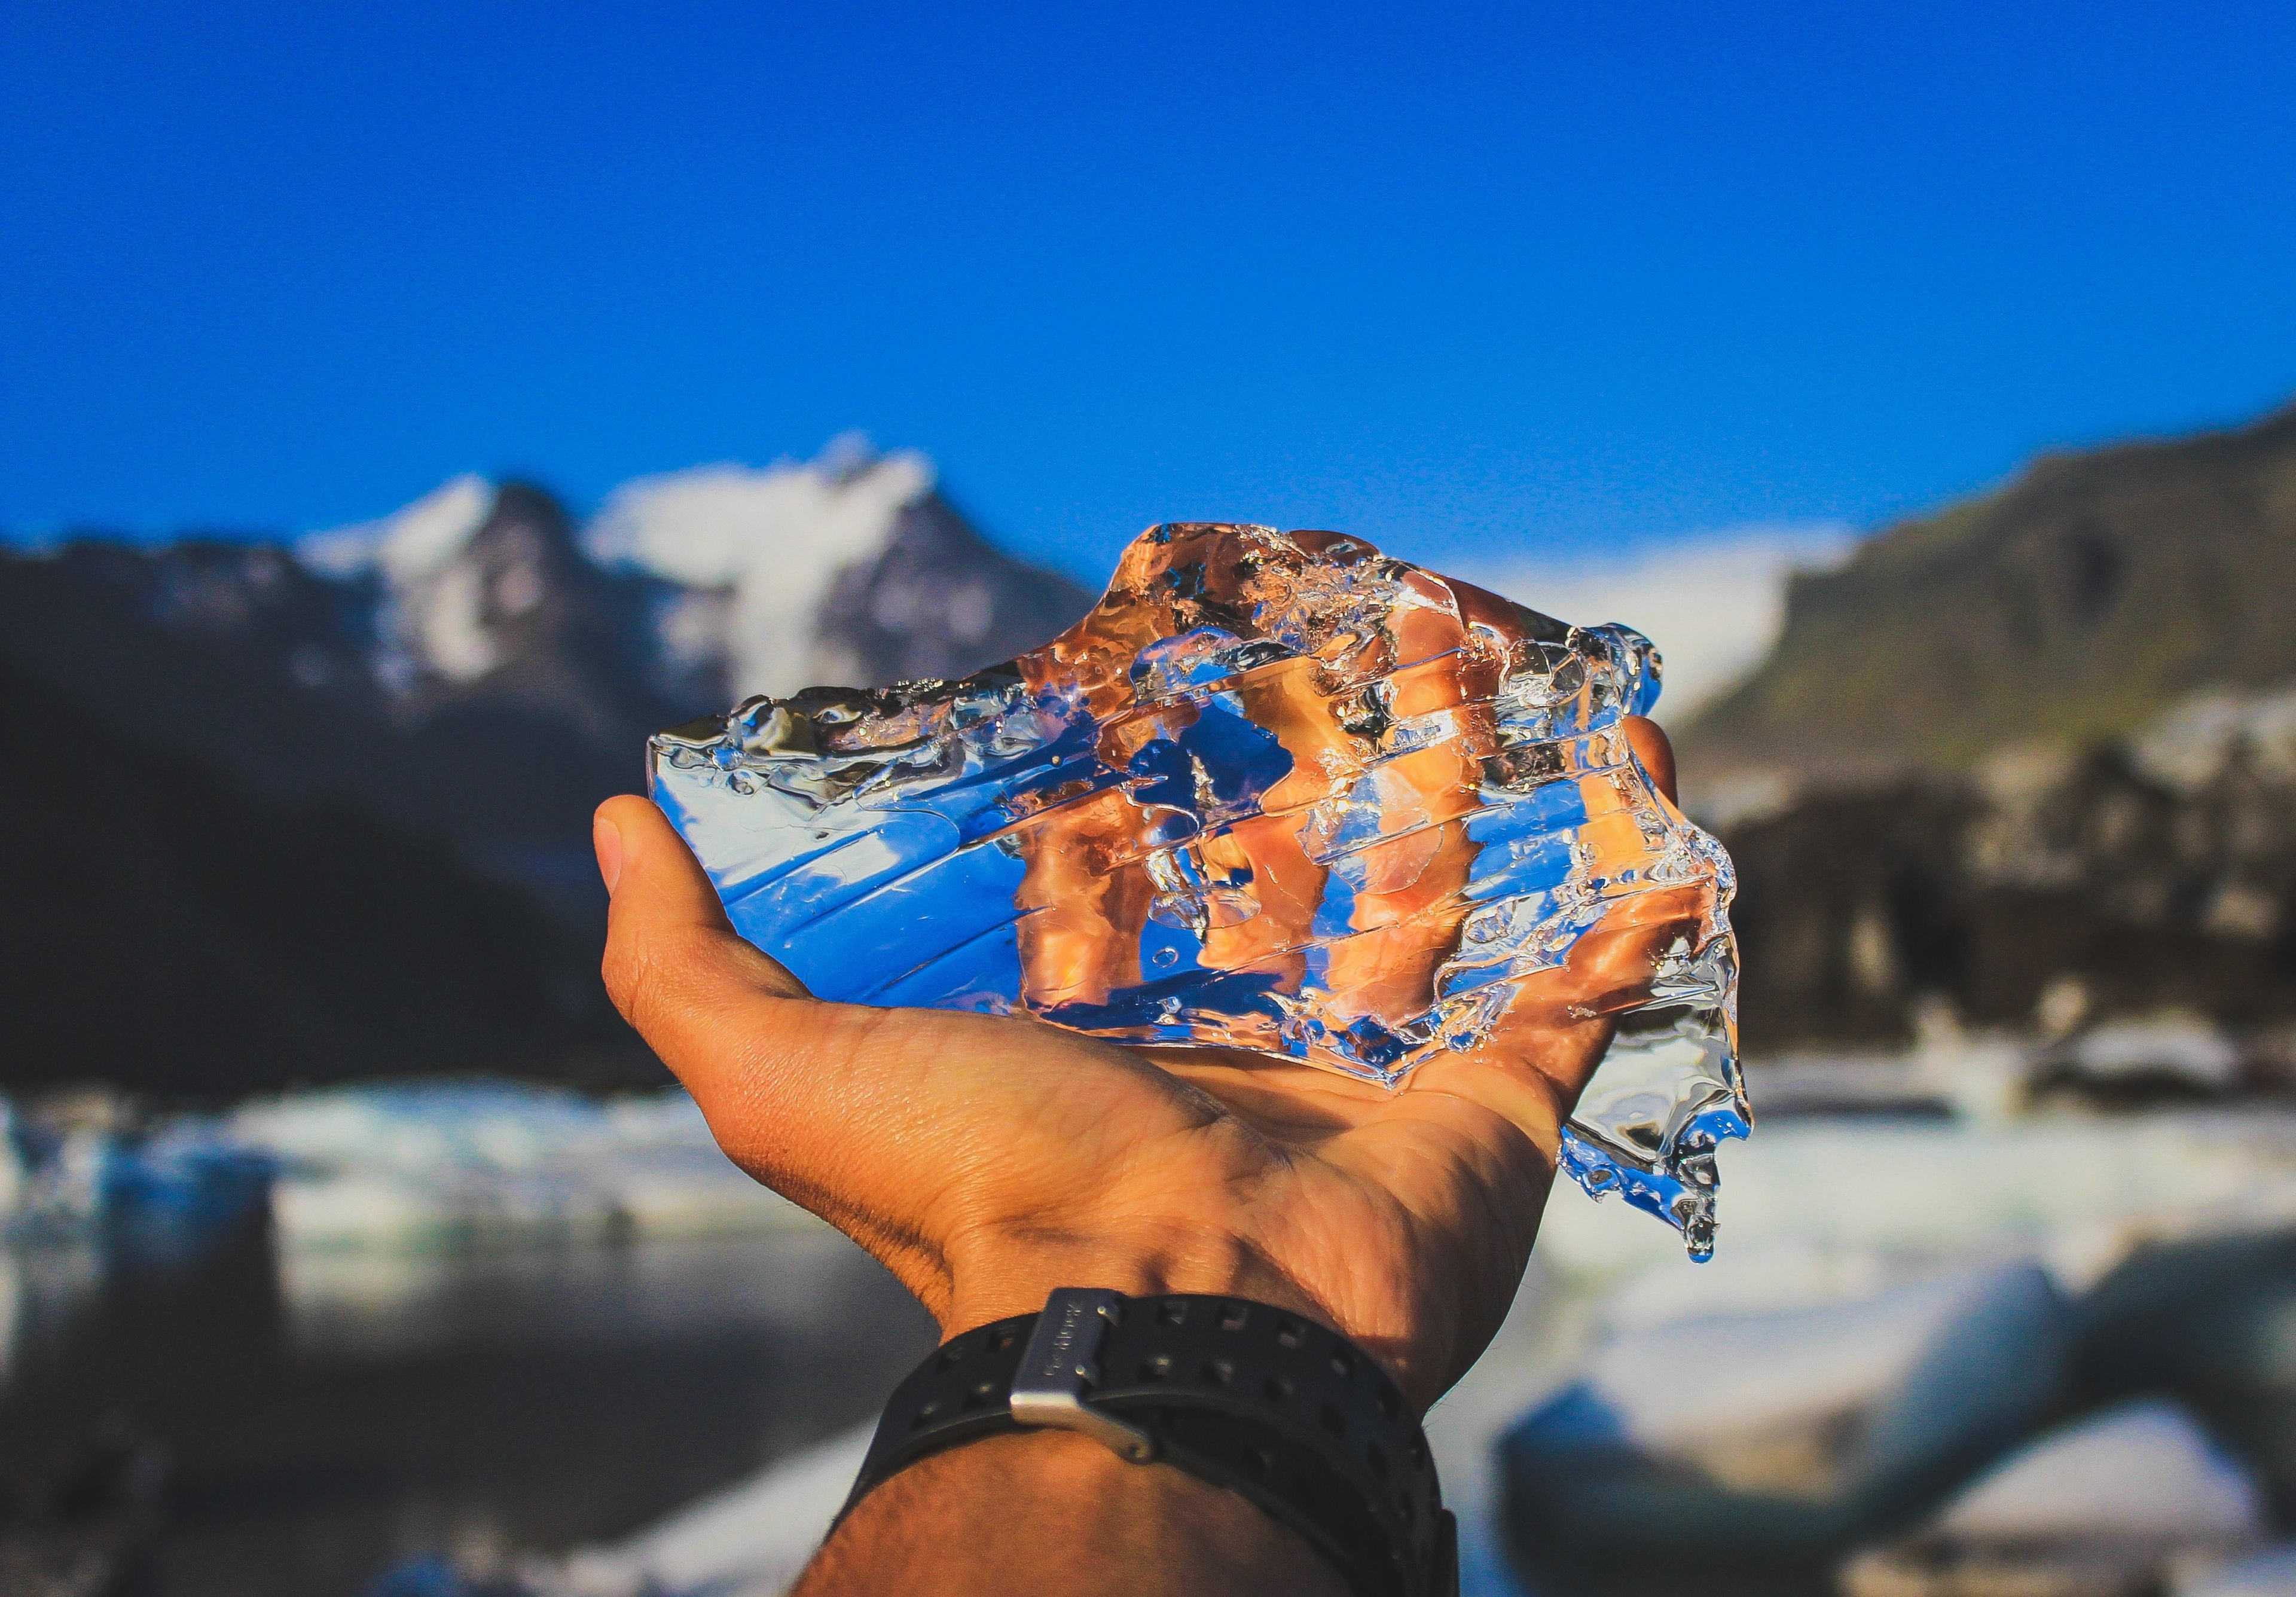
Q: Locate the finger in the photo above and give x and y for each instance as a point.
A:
(662, 902)
(1656, 753)
(1409, 902)
(1083, 901)
(699, 994)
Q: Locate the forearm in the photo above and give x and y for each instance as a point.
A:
(1056, 1513)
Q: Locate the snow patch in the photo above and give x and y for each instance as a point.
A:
(775, 541)
(418, 541)
(2190, 744)
(434, 615)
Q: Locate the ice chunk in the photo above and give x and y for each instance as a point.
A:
(2271, 1573)
(2144, 1468)
(1801, 1434)
(1275, 791)
(2109, 1505)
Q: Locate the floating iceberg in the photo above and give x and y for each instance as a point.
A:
(410, 1166)
(2106, 1506)
(1805, 1432)
(1275, 791)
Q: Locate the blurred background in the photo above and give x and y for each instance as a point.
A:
(407, 410)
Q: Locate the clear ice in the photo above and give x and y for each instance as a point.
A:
(1275, 791)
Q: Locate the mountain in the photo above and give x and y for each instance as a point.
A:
(165, 928)
(2067, 607)
(301, 685)
(2032, 756)
(853, 570)
(474, 667)
(320, 808)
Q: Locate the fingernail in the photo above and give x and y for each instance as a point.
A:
(606, 838)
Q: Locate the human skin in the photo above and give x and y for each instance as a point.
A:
(986, 1161)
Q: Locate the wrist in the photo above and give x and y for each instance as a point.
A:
(1245, 1396)
(996, 1277)
(1066, 1510)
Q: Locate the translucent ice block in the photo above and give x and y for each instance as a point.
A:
(1275, 791)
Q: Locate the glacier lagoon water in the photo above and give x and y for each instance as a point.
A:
(1275, 791)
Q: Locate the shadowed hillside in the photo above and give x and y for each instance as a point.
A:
(2070, 606)
(165, 928)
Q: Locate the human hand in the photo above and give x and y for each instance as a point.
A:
(986, 1160)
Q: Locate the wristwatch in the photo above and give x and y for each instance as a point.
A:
(1275, 1408)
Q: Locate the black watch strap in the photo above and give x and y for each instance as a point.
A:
(1272, 1406)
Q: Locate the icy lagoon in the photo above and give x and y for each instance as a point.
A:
(462, 1334)
(474, 1316)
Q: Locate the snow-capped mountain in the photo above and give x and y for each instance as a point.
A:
(726, 581)
(481, 598)
(475, 666)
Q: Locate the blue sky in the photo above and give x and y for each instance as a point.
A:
(1462, 279)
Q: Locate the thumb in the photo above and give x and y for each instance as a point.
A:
(674, 965)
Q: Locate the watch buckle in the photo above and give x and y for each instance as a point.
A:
(1058, 1372)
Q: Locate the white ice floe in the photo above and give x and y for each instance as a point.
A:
(2187, 1046)
(1818, 1216)
(2078, 1192)
(2143, 1469)
(2271, 1573)
(2110, 1505)
(1763, 1374)
(424, 1166)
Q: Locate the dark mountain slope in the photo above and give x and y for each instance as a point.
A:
(164, 929)
(2070, 606)
(236, 654)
